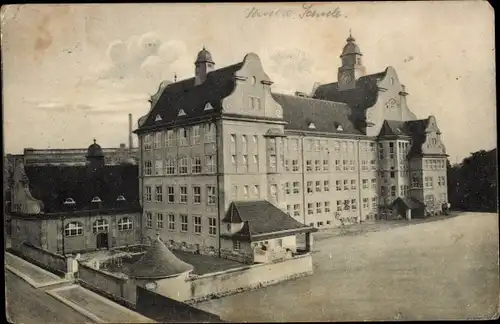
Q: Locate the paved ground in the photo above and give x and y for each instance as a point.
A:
(444, 269)
(34, 274)
(28, 305)
(104, 310)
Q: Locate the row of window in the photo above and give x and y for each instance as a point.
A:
(99, 226)
(182, 136)
(319, 208)
(434, 164)
(182, 194)
(170, 223)
(180, 166)
(391, 153)
(404, 191)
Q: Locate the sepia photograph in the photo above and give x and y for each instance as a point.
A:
(250, 162)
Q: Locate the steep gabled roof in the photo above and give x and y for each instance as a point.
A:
(363, 96)
(260, 217)
(192, 98)
(326, 116)
(159, 262)
(394, 128)
(54, 184)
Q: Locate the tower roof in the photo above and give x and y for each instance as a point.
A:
(159, 262)
(94, 150)
(351, 47)
(204, 56)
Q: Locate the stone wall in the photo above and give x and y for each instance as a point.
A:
(45, 259)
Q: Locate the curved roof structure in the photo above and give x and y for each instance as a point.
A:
(159, 262)
(94, 150)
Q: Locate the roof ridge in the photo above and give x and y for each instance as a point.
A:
(309, 98)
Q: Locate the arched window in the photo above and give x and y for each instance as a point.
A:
(69, 201)
(96, 200)
(73, 229)
(120, 198)
(100, 226)
(125, 224)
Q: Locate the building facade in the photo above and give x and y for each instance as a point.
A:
(342, 154)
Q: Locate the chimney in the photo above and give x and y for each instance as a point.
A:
(130, 131)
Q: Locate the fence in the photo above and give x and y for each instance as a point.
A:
(53, 262)
(121, 290)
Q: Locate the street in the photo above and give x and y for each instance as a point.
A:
(27, 305)
(441, 270)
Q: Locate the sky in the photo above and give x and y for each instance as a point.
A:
(72, 73)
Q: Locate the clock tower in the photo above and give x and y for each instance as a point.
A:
(352, 66)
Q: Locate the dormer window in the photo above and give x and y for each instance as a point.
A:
(311, 126)
(120, 198)
(181, 112)
(69, 201)
(158, 118)
(96, 200)
(340, 128)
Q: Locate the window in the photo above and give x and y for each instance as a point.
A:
(149, 219)
(402, 190)
(158, 167)
(339, 205)
(244, 144)
(287, 165)
(353, 204)
(296, 187)
(317, 165)
(309, 167)
(346, 184)
(309, 187)
(295, 165)
(195, 136)
(170, 166)
(289, 210)
(256, 160)
(233, 143)
(245, 191)
(210, 133)
(182, 137)
(197, 224)
(245, 163)
(158, 193)
(326, 185)
(147, 193)
(383, 191)
(393, 191)
(366, 203)
(170, 194)
(338, 185)
(392, 174)
(296, 210)
(254, 103)
(157, 143)
(171, 222)
(169, 139)
(415, 181)
(327, 207)
(345, 166)
(73, 229)
(318, 207)
(374, 203)
(310, 209)
(184, 223)
(212, 226)
(337, 165)
(351, 162)
(100, 226)
(347, 206)
(381, 151)
(148, 166)
(209, 163)
(196, 165)
(274, 191)
(233, 161)
(353, 184)
(236, 245)
(256, 191)
(183, 165)
(374, 183)
(287, 188)
(183, 194)
(325, 165)
(196, 194)
(159, 220)
(318, 186)
(428, 182)
(147, 142)
(373, 165)
(210, 195)
(365, 183)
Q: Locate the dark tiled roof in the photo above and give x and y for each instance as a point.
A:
(260, 217)
(159, 262)
(394, 128)
(192, 99)
(54, 184)
(408, 202)
(326, 116)
(363, 96)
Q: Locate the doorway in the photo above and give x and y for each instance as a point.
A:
(102, 240)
